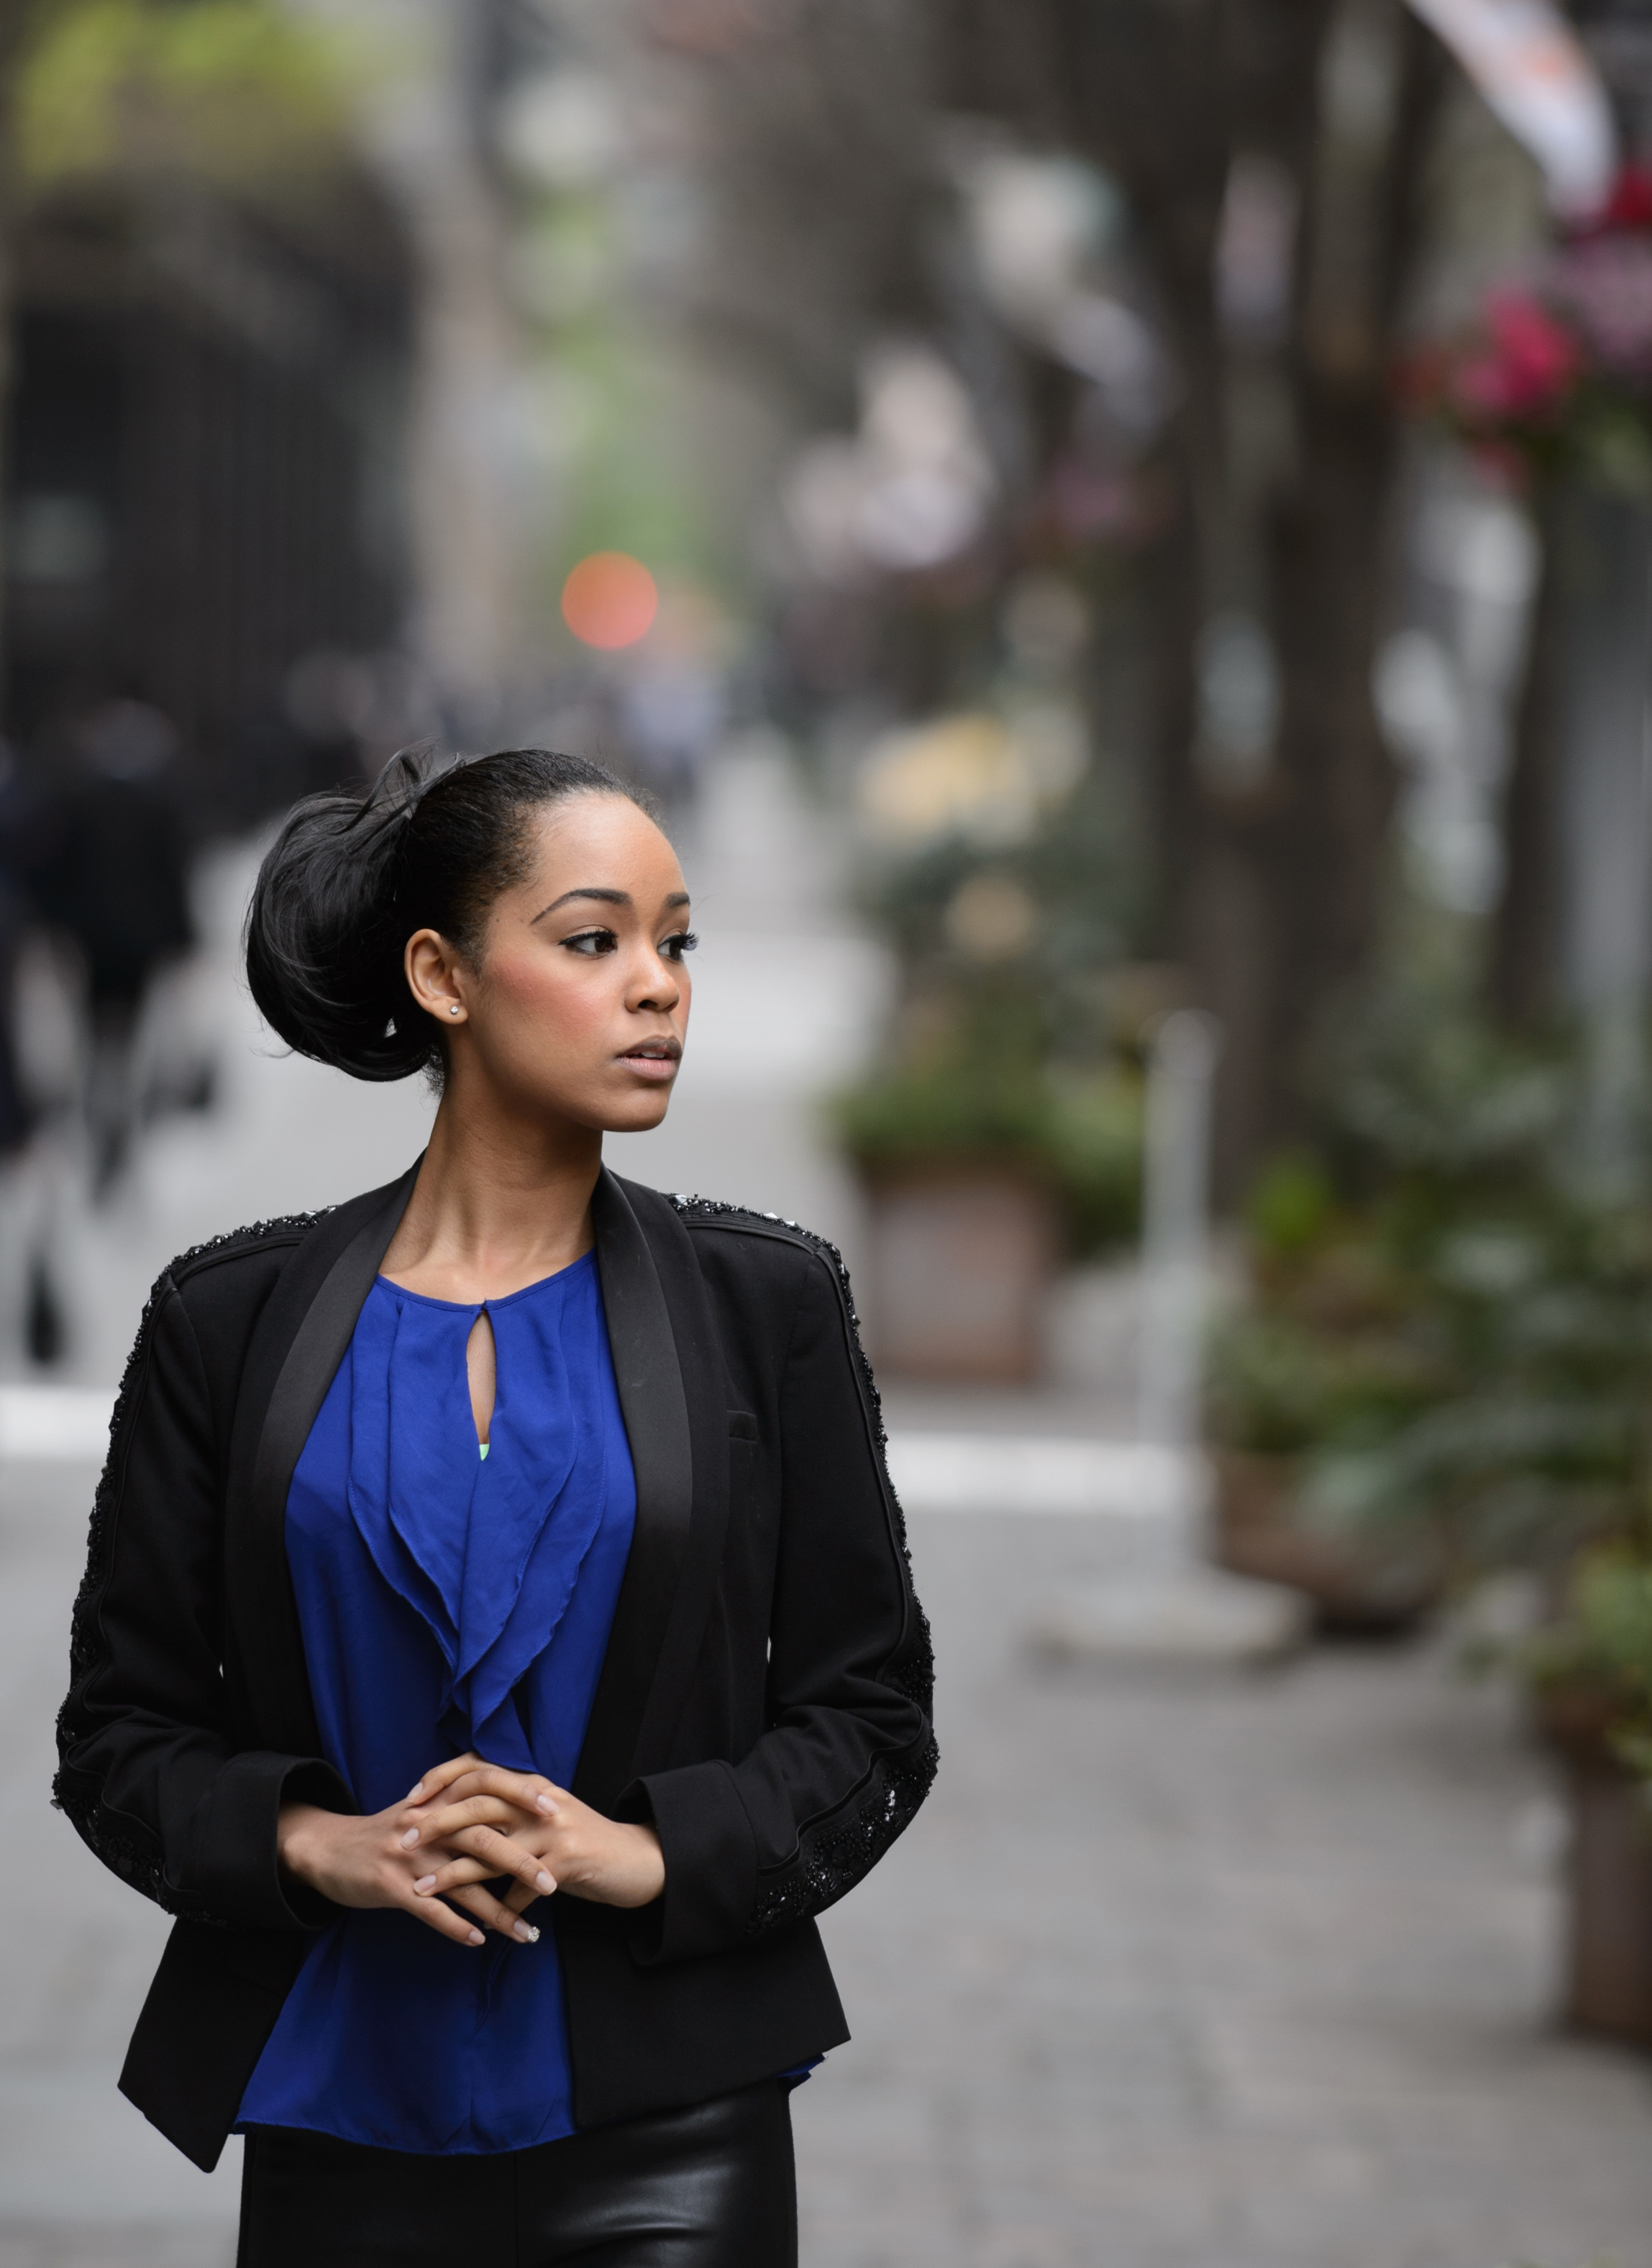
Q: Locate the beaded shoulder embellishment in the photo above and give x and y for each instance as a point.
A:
(834, 1853)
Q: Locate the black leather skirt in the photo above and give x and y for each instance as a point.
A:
(709, 2187)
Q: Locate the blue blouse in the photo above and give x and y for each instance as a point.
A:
(448, 1601)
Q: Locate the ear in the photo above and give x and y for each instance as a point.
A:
(434, 976)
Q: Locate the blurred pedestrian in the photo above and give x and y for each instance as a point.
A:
(117, 884)
(512, 1530)
(27, 1282)
(16, 858)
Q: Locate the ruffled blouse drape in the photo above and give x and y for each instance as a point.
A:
(449, 1601)
(486, 1550)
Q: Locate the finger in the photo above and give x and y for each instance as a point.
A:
(528, 1790)
(438, 1826)
(519, 1897)
(441, 1776)
(441, 1919)
(506, 1858)
(489, 1911)
(444, 1870)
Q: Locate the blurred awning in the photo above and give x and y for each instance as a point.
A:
(1538, 78)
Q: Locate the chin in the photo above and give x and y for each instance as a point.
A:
(639, 1114)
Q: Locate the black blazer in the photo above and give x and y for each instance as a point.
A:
(764, 1701)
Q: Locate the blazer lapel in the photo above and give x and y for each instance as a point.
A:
(649, 1375)
(705, 1392)
(673, 1397)
(299, 1345)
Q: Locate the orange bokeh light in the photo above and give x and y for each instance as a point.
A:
(610, 600)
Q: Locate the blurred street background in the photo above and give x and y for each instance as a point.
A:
(1119, 534)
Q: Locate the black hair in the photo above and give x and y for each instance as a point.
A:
(350, 878)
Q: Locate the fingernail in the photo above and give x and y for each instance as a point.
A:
(410, 1838)
(544, 1884)
(418, 1788)
(425, 1882)
(476, 1937)
(547, 1805)
(525, 1933)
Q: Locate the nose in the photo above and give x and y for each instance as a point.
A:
(658, 985)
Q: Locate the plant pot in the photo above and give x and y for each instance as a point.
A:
(1359, 1588)
(961, 1258)
(1609, 1874)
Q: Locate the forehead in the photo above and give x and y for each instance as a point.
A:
(602, 840)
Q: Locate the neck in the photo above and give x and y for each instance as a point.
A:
(497, 1205)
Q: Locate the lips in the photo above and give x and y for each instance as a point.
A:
(654, 1058)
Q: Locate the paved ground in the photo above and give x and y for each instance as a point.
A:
(1240, 1973)
(1247, 1972)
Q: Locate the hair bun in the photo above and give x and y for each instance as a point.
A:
(323, 960)
(349, 879)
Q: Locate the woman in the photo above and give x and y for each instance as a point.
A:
(510, 1545)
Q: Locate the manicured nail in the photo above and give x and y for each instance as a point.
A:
(416, 1790)
(547, 1804)
(424, 1884)
(544, 1884)
(525, 1933)
(476, 1937)
(410, 1838)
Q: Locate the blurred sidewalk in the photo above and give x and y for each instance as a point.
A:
(1239, 1973)
(1244, 1973)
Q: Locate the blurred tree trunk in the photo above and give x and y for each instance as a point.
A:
(1524, 943)
(425, 128)
(1272, 889)
(1320, 846)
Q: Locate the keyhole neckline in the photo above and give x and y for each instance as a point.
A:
(474, 1307)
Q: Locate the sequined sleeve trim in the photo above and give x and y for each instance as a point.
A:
(126, 1847)
(835, 1853)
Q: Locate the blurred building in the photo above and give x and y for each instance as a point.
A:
(203, 464)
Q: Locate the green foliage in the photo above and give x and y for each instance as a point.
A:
(1449, 1334)
(1600, 1647)
(1004, 1051)
(237, 91)
(1092, 1138)
(1291, 1205)
(1084, 897)
(1454, 1334)
(1079, 1134)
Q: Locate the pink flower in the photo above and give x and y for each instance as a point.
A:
(1529, 364)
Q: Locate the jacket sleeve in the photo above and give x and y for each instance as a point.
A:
(147, 1773)
(758, 1844)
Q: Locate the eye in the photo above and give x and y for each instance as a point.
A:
(674, 948)
(591, 942)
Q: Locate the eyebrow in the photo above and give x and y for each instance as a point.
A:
(606, 898)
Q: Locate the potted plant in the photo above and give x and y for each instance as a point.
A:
(1591, 1677)
(1000, 1133)
(985, 1168)
(1320, 1353)
(1449, 1342)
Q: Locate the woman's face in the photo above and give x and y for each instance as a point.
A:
(579, 1004)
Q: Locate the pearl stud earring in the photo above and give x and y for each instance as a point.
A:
(453, 1011)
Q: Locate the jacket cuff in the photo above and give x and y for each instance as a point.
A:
(234, 1869)
(710, 1857)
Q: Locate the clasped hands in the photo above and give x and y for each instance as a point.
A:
(467, 1823)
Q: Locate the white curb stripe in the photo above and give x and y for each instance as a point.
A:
(932, 1472)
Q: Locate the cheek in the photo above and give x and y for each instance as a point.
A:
(540, 994)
